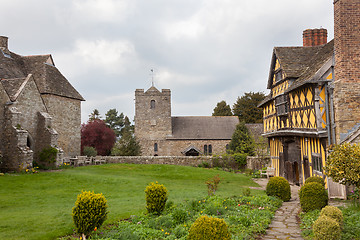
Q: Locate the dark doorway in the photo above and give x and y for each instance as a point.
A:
(296, 175)
(306, 167)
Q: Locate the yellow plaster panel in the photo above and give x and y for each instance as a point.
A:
(329, 77)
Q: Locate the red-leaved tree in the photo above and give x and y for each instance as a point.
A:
(96, 134)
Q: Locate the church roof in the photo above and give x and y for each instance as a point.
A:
(47, 77)
(203, 128)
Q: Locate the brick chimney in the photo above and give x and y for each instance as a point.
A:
(314, 37)
(4, 43)
(347, 66)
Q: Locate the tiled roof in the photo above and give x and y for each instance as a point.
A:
(207, 128)
(47, 77)
(302, 63)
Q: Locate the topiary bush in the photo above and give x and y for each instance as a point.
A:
(315, 179)
(279, 187)
(89, 213)
(89, 151)
(313, 196)
(326, 228)
(209, 228)
(156, 196)
(334, 213)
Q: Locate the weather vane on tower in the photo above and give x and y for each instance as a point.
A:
(152, 74)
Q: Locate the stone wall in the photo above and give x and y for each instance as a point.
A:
(66, 120)
(171, 160)
(347, 66)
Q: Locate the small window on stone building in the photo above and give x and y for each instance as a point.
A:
(227, 146)
(155, 147)
(205, 150)
(152, 104)
(210, 149)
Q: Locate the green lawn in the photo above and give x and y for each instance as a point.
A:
(38, 206)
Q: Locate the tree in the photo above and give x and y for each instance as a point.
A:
(114, 121)
(96, 134)
(94, 115)
(246, 107)
(222, 109)
(242, 141)
(343, 164)
(126, 146)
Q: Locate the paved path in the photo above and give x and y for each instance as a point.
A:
(284, 225)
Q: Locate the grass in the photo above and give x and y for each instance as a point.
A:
(38, 206)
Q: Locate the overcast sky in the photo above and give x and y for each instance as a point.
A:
(205, 51)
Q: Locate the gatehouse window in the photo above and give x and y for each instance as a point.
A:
(210, 149)
(205, 150)
(155, 147)
(152, 104)
(316, 162)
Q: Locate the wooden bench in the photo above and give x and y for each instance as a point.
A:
(268, 172)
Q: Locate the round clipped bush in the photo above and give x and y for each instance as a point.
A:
(326, 228)
(313, 196)
(209, 228)
(334, 213)
(315, 179)
(89, 151)
(279, 187)
(90, 212)
(156, 196)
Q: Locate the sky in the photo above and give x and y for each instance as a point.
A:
(204, 51)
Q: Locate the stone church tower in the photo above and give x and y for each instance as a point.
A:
(152, 119)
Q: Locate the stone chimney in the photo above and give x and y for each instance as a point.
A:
(347, 67)
(4, 43)
(314, 37)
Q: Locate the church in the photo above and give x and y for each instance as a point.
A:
(38, 108)
(160, 134)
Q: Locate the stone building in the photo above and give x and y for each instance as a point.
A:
(160, 134)
(314, 98)
(39, 108)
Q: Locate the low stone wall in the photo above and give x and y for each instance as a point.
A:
(171, 160)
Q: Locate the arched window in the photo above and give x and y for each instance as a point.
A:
(152, 104)
(210, 149)
(155, 147)
(205, 150)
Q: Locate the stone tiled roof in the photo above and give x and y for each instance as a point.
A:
(47, 77)
(203, 128)
(14, 86)
(302, 63)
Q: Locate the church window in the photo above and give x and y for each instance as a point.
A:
(155, 147)
(205, 150)
(210, 149)
(152, 104)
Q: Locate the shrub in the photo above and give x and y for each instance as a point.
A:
(326, 228)
(89, 151)
(334, 213)
(241, 159)
(47, 158)
(209, 228)
(279, 187)
(179, 215)
(313, 196)
(156, 196)
(315, 179)
(212, 184)
(89, 213)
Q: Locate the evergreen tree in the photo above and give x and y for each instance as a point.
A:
(242, 141)
(222, 109)
(246, 107)
(114, 121)
(95, 115)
